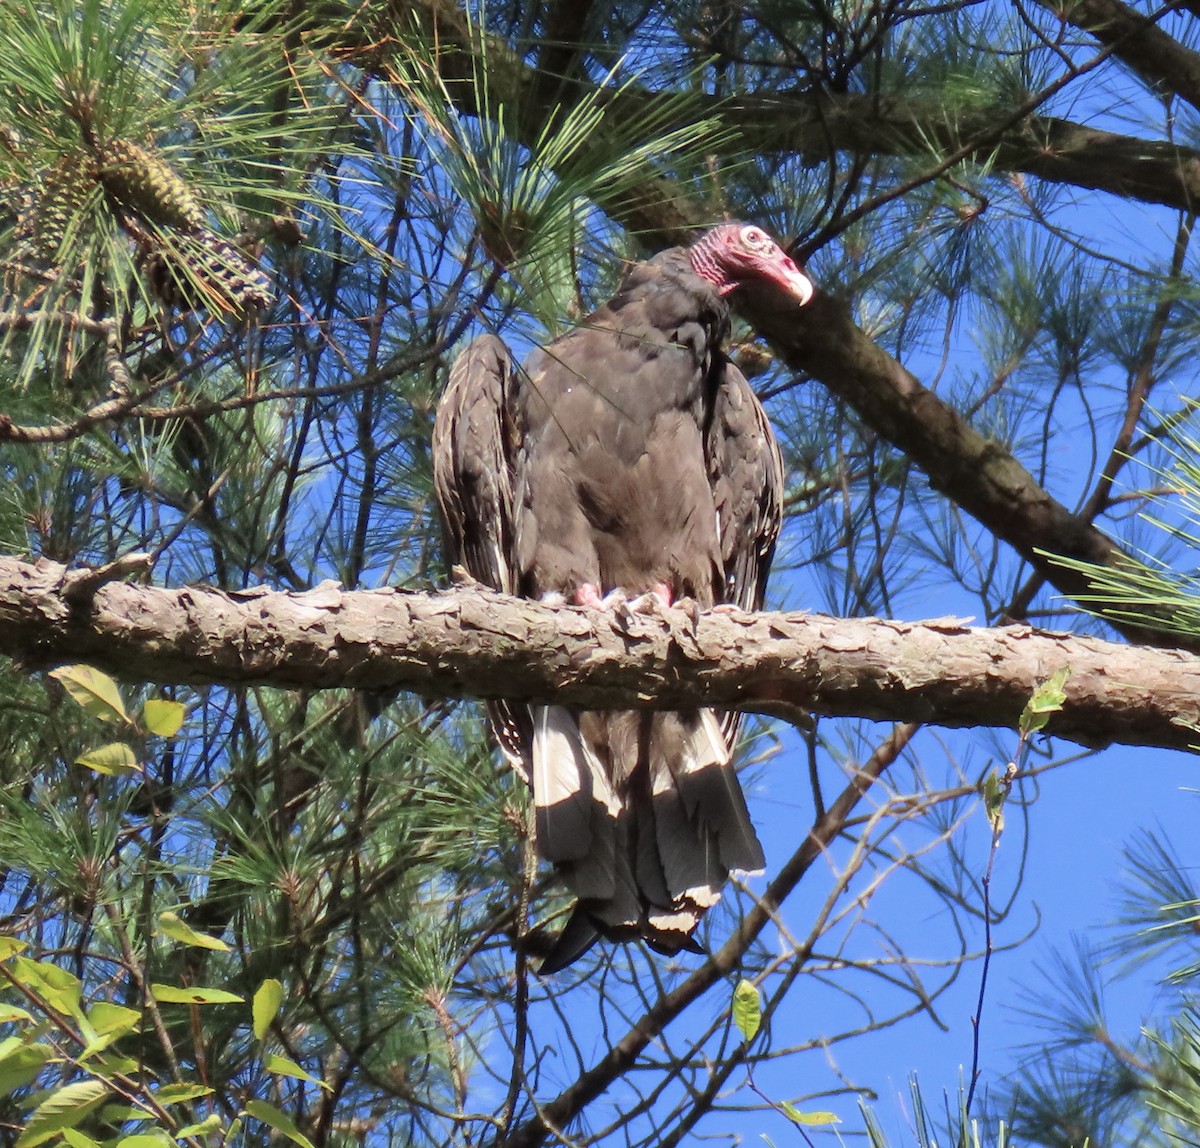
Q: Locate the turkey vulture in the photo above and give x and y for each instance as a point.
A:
(629, 457)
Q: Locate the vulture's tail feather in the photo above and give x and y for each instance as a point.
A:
(644, 818)
(566, 777)
(712, 796)
(579, 935)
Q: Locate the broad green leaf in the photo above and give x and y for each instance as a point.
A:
(124, 1114)
(173, 926)
(78, 1140)
(110, 1065)
(10, 947)
(113, 1018)
(162, 717)
(20, 1063)
(113, 760)
(267, 1000)
(177, 1093)
(807, 1119)
(171, 994)
(284, 1067)
(747, 1010)
(155, 1139)
(270, 1115)
(94, 691)
(57, 987)
(12, 1013)
(1047, 699)
(63, 1108)
(210, 1123)
(107, 1023)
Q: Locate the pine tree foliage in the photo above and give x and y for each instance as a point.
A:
(240, 245)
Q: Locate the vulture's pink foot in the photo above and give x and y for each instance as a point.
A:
(653, 601)
(589, 595)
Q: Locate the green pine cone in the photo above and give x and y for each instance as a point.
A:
(56, 200)
(141, 182)
(203, 270)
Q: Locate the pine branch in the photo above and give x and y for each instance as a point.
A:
(472, 642)
(818, 125)
(980, 475)
(977, 473)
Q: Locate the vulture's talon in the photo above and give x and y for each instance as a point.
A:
(691, 609)
(615, 600)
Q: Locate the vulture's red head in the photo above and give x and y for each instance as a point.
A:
(738, 254)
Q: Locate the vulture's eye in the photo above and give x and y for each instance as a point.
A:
(754, 237)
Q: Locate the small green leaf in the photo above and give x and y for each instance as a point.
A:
(10, 947)
(1047, 699)
(173, 994)
(124, 1114)
(281, 1066)
(113, 1018)
(994, 794)
(113, 760)
(110, 1065)
(78, 1140)
(162, 717)
(9, 1013)
(267, 1000)
(271, 1116)
(59, 989)
(807, 1119)
(155, 1139)
(747, 1010)
(173, 926)
(107, 1023)
(20, 1063)
(211, 1123)
(178, 1093)
(63, 1108)
(94, 691)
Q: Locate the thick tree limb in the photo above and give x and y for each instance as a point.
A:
(1136, 40)
(814, 126)
(978, 473)
(818, 125)
(474, 642)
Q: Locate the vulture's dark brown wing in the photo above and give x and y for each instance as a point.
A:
(746, 472)
(472, 453)
(472, 478)
(747, 481)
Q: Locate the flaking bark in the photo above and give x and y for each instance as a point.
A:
(472, 642)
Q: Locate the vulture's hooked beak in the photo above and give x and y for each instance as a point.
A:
(794, 281)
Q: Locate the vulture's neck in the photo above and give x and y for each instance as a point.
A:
(704, 263)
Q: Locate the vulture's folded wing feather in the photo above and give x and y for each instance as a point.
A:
(746, 471)
(472, 474)
(473, 444)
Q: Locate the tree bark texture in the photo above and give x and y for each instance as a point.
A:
(470, 641)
